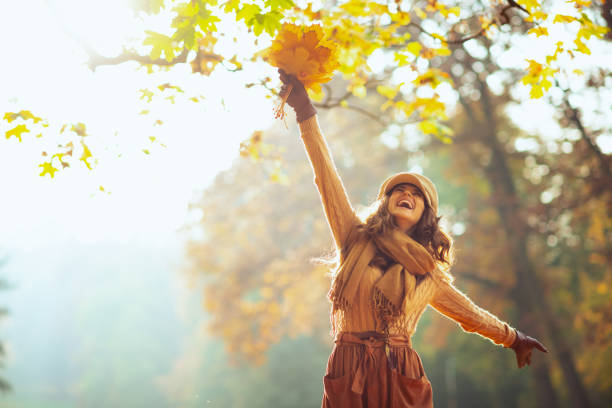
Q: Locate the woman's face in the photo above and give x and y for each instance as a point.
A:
(406, 205)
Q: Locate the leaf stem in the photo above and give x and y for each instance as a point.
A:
(279, 112)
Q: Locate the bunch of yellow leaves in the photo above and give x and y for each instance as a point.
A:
(306, 53)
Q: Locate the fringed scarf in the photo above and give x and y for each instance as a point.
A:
(394, 288)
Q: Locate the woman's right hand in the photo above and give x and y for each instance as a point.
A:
(298, 98)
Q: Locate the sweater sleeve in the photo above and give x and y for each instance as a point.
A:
(338, 210)
(455, 305)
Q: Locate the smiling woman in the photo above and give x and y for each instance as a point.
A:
(406, 205)
(376, 305)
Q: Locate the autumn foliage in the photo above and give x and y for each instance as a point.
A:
(305, 53)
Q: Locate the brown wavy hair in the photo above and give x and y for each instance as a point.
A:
(427, 232)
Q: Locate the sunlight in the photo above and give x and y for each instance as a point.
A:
(149, 192)
(104, 26)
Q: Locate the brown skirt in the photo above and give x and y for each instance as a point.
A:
(362, 372)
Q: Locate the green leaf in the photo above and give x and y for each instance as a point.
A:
(208, 24)
(149, 6)
(17, 131)
(231, 5)
(186, 10)
(186, 34)
(247, 13)
(271, 22)
(159, 43)
(258, 24)
(279, 4)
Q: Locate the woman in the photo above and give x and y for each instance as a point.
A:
(390, 268)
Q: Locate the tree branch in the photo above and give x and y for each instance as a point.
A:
(573, 114)
(502, 19)
(97, 60)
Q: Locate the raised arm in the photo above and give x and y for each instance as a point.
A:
(455, 305)
(338, 210)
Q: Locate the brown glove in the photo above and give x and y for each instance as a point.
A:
(298, 98)
(523, 346)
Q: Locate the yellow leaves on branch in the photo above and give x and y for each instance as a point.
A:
(23, 114)
(432, 77)
(18, 130)
(306, 52)
(539, 31)
(538, 78)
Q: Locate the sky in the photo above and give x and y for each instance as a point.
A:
(149, 194)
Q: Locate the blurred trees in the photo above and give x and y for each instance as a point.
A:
(5, 386)
(489, 150)
(532, 226)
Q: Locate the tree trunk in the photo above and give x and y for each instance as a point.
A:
(530, 294)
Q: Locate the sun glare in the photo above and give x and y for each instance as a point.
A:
(104, 26)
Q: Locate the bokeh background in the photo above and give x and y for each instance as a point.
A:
(178, 271)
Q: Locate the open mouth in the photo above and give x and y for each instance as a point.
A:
(406, 204)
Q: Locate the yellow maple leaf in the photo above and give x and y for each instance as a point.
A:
(47, 169)
(560, 18)
(86, 155)
(304, 51)
(17, 131)
(414, 48)
(539, 31)
(582, 3)
(581, 47)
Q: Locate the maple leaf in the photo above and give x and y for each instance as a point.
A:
(47, 169)
(304, 52)
(24, 114)
(79, 129)
(539, 31)
(17, 131)
(414, 48)
(86, 155)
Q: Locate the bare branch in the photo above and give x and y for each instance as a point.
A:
(573, 114)
(97, 60)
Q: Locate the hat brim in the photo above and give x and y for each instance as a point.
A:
(403, 179)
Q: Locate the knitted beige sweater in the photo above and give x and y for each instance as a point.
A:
(434, 291)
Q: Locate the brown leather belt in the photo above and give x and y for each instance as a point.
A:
(371, 340)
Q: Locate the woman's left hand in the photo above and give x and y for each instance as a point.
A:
(523, 345)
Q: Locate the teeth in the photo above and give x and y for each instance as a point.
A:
(407, 203)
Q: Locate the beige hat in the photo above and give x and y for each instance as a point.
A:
(422, 182)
